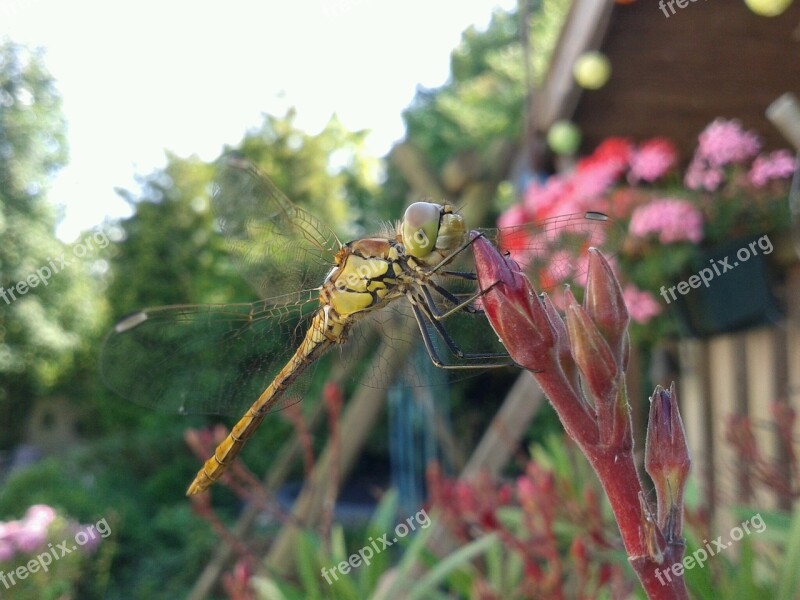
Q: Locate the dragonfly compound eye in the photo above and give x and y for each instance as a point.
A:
(420, 227)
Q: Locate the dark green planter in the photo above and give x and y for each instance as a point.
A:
(739, 298)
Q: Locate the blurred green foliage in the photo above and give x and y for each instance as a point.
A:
(133, 467)
(48, 318)
(483, 103)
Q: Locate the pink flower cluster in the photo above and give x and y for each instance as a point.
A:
(642, 305)
(672, 219)
(30, 533)
(723, 142)
(617, 179)
(27, 534)
(586, 187)
(775, 165)
(652, 160)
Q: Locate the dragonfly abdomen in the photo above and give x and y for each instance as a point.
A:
(325, 330)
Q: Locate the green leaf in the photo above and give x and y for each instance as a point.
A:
(307, 546)
(789, 578)
(457, 560)
(267, 589)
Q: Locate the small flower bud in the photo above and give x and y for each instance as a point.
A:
(666, 459)
(514, 310)
(606, 306)
(591, 352)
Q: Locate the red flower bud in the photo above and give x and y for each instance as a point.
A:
(605, 306)
(666, 459)
(591, 352)
(563, 351)
(515, 311)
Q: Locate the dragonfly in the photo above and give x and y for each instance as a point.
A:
(320, 294)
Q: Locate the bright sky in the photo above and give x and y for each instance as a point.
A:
(138, 78)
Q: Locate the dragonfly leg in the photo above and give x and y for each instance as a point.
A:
(460, 274)
(422, 314)
(457, 303)
(450, 257)
(464, 305)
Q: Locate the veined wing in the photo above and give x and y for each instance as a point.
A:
(555, 251)
(278, 247)
(207, 359)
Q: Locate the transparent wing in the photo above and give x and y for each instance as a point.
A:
(400, 337)
(554, 252)
(217, 359)
(207, 359)
(277, 246)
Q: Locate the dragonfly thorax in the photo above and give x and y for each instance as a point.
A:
(368, 274)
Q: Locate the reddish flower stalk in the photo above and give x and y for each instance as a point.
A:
(236, 582)
(201, 505)
(334, 400)
(781, 474)
(295, 416)
(545, 500)
(593, 341)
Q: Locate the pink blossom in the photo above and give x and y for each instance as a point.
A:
(31, 536)
(526, 491)
(775, 165)
(615, 151)
(552, 198)
(701, 176)
(724, 142)
(560, 267)
(593, 180)
(694, 178)
(27, 534)
(712, 179)
(513, 217)
(673, 219)
(6, 550)
(652, 159)
(642, 305)
(41, 515)
(8, 539)
(9, 532)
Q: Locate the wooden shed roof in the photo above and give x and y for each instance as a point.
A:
(673, 75)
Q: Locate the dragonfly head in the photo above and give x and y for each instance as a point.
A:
(427, 227)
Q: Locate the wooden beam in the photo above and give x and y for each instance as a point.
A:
(584, 29)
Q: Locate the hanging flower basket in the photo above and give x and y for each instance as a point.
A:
(679, 222)
(729, 288)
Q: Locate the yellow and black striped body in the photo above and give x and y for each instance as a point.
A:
(367, 275)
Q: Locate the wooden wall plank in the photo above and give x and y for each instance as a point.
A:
(723, 398)
(672, 76)
(761, 393)
(695, 404)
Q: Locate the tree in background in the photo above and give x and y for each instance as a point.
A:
(468, 130)
(48, 310)
(171, 251)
